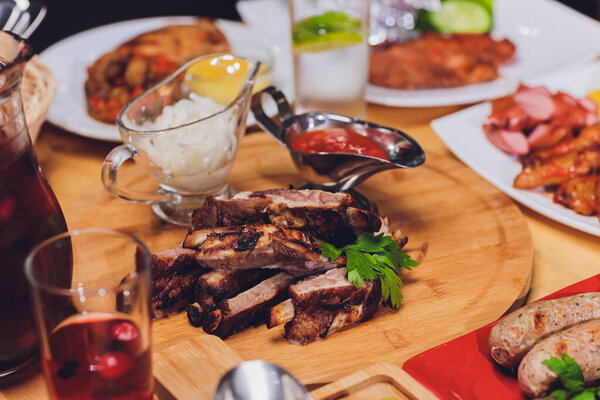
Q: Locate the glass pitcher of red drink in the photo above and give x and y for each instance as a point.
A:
(29, 212)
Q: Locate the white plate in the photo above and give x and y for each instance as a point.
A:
(548, 36)
(70, 57)
(463, 134)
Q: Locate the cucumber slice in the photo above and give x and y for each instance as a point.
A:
(461, 16)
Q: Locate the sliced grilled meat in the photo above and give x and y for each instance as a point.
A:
(247, 207)
(215, 286)
(177, 294)
(326, 303)
(247, 308)
(259, 246)
(170, 260)
(239, 210)
(174, 278)
(281, 313)
(327, 216)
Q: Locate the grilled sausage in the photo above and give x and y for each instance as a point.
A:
(513, 336)
(581, 342)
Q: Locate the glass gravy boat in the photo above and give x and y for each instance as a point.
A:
(335, 171)
(185, 133)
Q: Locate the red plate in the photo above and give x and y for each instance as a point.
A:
(462, 369)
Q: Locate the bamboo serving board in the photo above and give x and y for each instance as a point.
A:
(379, 381)
(472, 241)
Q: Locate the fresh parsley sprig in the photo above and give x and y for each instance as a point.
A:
(570, 376)
(373, 256)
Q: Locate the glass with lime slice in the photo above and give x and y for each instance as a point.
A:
(330, 55)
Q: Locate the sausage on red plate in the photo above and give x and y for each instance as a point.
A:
(513, 336)
(581, 342)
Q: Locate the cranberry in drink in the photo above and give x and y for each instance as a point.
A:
(98, 356)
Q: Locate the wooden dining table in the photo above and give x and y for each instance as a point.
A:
(562, 255)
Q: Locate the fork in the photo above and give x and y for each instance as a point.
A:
(25, 17)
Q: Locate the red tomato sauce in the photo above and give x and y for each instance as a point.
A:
(337, 140)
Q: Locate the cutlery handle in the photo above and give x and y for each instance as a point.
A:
(263, 120)
(110, 168)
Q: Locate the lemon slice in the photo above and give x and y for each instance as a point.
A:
(595, 97)
(222, 78)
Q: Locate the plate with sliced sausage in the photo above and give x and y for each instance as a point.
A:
(539, 145)
(504, 360)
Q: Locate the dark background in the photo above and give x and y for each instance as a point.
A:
(66, 17)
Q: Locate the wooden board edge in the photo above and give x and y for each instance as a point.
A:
(377, 373)
(192, 368)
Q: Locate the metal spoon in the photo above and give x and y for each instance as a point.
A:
(260, 380)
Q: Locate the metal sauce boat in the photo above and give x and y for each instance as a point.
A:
(336, 171)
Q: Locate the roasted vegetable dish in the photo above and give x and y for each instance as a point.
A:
(143, 61)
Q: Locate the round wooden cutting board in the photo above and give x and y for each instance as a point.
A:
(472, 241)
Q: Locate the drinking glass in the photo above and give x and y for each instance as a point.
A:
(185, 133)
(94, 330)
(330, 46)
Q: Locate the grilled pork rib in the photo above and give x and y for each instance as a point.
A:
(250, 246)
(236, 314)
(176, 295)
(216, 286)
(326, 303)
(281, 313)
(247, 207)
(241, 255)
(174, 278)
(327, 216)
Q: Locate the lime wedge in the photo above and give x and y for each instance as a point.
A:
(330, 41)
(461, 16)
(330, 30)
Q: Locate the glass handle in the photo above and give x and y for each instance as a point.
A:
(110, 168)
(263, 120)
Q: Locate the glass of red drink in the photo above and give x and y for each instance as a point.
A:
(29, 212)
(95, 330)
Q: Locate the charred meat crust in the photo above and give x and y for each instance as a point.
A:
(291, 250)
(322, 300)
(177, 294)
(247, 308)
(225, 284)
(174, 278)
(513, 336)
(327, 216)
(195, 314)
(318, 318)
(215, 286)
(235, 211)
(170, 260)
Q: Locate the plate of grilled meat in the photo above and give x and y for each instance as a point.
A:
(440, 69)
(540, 145)
(101, 69)
(252, 272)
